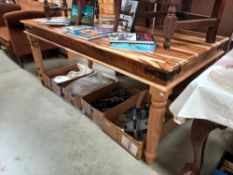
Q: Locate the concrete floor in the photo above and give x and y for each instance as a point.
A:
(16, 143)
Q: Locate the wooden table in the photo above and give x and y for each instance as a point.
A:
(209, 113)
(161, 70)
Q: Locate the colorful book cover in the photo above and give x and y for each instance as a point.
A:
(88, 12)
(134, 47)
(127, 15)
(132, 38)
(89, 32)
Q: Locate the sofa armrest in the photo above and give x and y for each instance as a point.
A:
(5, 8)
(12, 19)
(15, 28)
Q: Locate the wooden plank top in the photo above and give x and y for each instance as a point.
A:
(161, 66)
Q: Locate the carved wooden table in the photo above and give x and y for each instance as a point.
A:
(162, 70)
(199, 135)
(208, 99)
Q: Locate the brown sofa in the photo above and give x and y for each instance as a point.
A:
(11, 30)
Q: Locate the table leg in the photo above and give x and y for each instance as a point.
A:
(217, 12)
(199, 134)
(117, 6)
(155, 122)
(169, 25)
(37, 55)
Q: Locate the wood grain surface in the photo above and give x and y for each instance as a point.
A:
(187, 48)
(162, 70)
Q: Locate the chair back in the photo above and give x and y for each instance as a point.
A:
(152, 12)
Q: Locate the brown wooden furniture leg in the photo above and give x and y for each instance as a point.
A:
(169, 25)
(155, 122)
(37, 55)
(97, 9)
(147, 20)
(199, 134)
(65, 7)
(216, 13)
(117, 8)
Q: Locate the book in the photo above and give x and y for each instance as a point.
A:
(127, 15)
(132, 38)
(88, 32)
(74, 27)
(134, 47)
(88, 12)
(56, 21)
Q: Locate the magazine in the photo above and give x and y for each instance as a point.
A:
(88, 12)
(127, 15)
(134, 47)
(89, 33)
(132, 38)
(56, 21)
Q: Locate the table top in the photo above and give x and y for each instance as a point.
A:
(206, 98)
(162, 68)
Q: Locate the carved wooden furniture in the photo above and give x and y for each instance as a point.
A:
(213, 107)
(192, 21)
(173, 19)
(51, 9)
(161, 70)
(199, 135)
(80, 4)
(11, 30)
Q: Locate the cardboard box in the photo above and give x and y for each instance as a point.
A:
(57, 88)
(130, 144)
(78, 89)
(106, 121)
(93, 113)
(49, 75)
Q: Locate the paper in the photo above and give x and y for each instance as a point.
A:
(83, 70)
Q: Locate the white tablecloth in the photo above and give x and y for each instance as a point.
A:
(201, 99)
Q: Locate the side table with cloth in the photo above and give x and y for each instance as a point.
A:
(209, 104)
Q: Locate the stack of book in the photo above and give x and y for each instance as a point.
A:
(87, 32)
(143, 42)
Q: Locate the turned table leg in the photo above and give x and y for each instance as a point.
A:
(199, 134)
(37, 56)
(155, 122)
(169, 25)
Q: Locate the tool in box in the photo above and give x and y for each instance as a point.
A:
(135, 121)
(116, 97)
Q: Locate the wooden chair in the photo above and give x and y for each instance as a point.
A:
(53, 9)
(175, 15)
(12, 30)
(230, 45)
